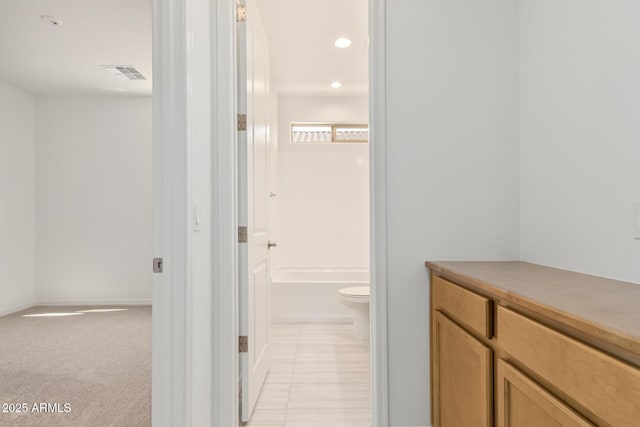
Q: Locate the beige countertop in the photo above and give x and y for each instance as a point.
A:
(608, 310)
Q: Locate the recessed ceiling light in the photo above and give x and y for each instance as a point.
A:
(342, 42)
(52, 20)
(336, 85)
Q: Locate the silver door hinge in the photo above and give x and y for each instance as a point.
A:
(242, 122)
(242, 234)
(241, 12)
(157, 265)
(244, 343)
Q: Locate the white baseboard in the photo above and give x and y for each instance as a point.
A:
(95, 302)
(11, 310)
(312, 319)
(428, 425)
(52, 303)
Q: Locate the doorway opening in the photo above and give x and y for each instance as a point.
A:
(304, 186)
(76, 237)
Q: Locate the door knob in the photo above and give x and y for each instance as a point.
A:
(271, 244)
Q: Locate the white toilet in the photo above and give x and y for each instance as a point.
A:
(357, 299)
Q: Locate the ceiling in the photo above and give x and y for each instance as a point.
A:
(302, 54)
(44, 59)
(67, 59)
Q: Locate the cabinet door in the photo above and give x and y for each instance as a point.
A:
(462, 377)
(523, 403)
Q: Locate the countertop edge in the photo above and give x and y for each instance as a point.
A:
(627, 343)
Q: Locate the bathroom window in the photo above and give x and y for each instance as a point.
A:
(310, 133)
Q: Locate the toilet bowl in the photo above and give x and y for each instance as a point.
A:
(357, 298)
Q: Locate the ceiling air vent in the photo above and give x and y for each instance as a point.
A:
(124, 72)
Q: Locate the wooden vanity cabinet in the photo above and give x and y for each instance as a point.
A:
(502, 358)
(523, 403)
(462, 375)
(462, 366)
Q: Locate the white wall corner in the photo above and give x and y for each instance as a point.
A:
(15, 309)
(17, 190)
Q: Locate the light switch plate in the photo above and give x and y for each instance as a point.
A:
(636, 220)
(196, 216)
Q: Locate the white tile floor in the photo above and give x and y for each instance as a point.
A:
(319, 378)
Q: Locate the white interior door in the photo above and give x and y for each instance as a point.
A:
(253, 100)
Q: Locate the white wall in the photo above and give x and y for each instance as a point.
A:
(580, 94)
(17, 198)
(94, 199)
(322, 204)
(452, 164)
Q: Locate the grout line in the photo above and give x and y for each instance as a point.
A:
(367, 348)
(293, 369)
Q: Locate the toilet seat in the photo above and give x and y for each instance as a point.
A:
(355, 295)
(355, 292)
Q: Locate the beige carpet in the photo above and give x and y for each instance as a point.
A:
(98, 364)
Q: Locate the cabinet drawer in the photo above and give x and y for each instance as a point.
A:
(605, 387)
(465, 306)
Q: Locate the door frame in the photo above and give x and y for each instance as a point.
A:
(194, 361)
(378, 211)
(194, 162)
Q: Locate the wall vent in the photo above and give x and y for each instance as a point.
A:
(124, 72)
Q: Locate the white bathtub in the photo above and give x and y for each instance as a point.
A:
(311, 294)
